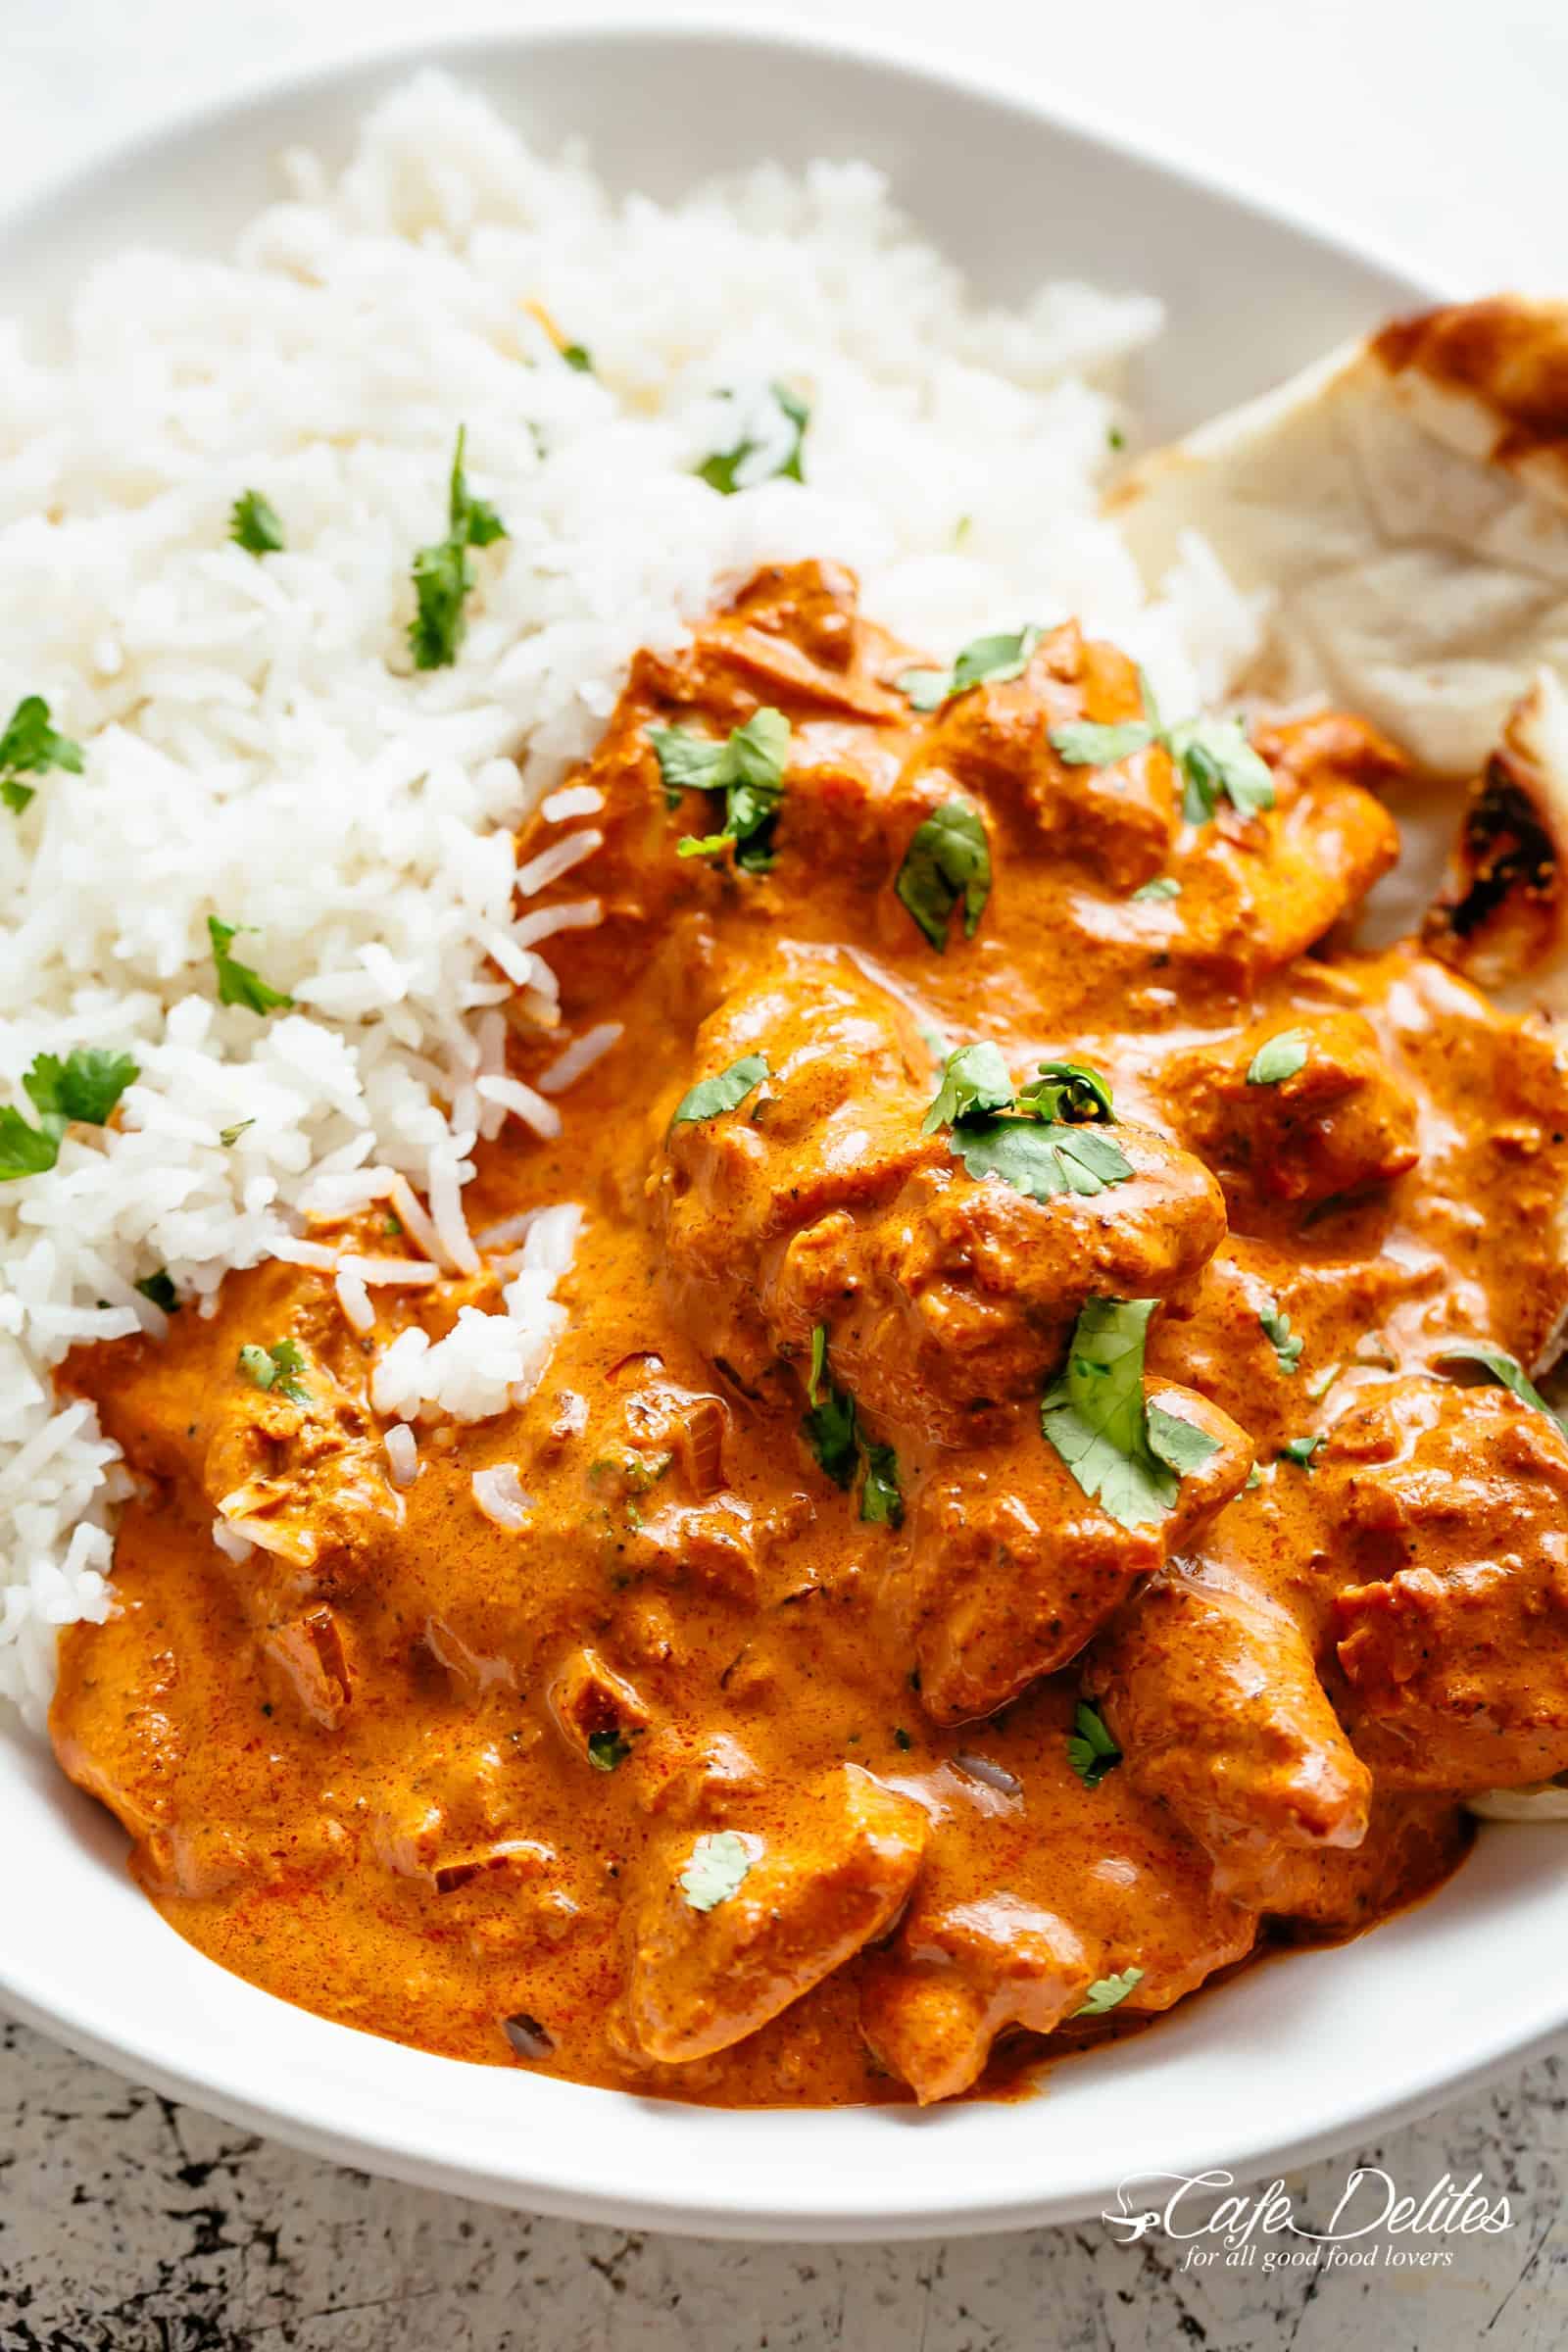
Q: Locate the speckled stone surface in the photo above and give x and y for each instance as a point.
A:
(129, 2224)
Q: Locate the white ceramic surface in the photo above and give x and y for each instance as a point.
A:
(1300, 2055)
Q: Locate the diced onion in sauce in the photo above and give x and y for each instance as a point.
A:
(499, 1495)
(994, 1776)
(527, 2036)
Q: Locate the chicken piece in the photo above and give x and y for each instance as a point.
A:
(791, 641)
(1493, 1176)
(115, 1723)
(1011, 1566)
(298, 1470)
(146, 1701)
(1254, 892)
(818, 1200)
(1329, 747)
(1451, 1629)
(795, 630)
(1008, 1927)
(1220, 1343)
(1210, 1685)
(295, 1467)
(1118, 820)
(1298, 1109)
(835, 1125)
(825, 1872)
(961, 1296)
(1412, 1844)
(1399, 1610)
(932, 2010)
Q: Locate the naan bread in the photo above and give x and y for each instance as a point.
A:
(1404, 506)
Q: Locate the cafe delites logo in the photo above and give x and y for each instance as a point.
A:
(1374, 2224)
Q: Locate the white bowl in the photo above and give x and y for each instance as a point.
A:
(1301, 2055)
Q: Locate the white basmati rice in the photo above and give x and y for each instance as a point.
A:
(402, 1455)
(258, 748)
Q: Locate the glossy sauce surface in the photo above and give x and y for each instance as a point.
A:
(428, 1774)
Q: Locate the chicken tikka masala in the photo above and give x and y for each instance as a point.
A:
(1039, 1495)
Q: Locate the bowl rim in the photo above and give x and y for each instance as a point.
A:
(696, 24)
(539, 2180)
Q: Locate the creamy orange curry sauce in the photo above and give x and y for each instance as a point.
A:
(983, 1568)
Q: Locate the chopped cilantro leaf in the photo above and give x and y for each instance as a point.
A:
(229, 1136)
(748, 767)
(831, 1428)
(1278, 1058)
(1505, 1369)
(881, 1497)
(442, 576)
(253, 525)
(1212, 755)
(1301, 1451)
(1095, 1417)
(767, 451)
(578, 357)
(1287, 1344)
(1036, 1152)
(710, 1098)
(948, 863)
(237, 983)
(828, 1428)
(1041, 1161)
(1179, 1444)
(25, 1149)
(84, 1088)
(160, 1291)
(1068, 1090)
(983, 661)
(30, 746)
(974, 1078)
(719, 1864)
(1163, 886)
(608, 1749)
(1106, 1991)
(900, 1740)
(1086, 743)
(276, 1367)
(1091, 1750)
(686, 762)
